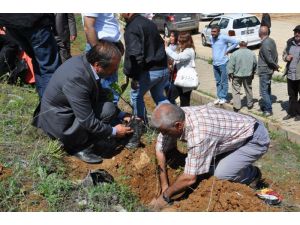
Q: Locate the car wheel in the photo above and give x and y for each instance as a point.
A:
(204, 42)
(167, 31)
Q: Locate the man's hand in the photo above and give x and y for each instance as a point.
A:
(289, 58)
(122, 131)
(72, 38)
(166, 42)
(158, 203)
(2, 31)
(134, 84)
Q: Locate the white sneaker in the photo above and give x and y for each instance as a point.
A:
(222, 101)
(217, 101)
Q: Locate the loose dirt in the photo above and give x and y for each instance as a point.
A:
(4, 172)
(138, 170)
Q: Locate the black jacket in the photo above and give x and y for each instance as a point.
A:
(267, 57)
(71, 103)
(145, 50)
(65, 25)
(26, 20)
(266, 20)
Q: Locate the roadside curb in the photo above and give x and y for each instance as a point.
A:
(271, 125)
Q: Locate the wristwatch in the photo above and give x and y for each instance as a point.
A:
(167, 199)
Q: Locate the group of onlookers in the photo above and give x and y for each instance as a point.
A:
(242, 65)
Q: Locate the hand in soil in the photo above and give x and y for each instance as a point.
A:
(158, 203)
(122, 131)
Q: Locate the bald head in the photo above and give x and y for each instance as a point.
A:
(263, 31)
(165, 115)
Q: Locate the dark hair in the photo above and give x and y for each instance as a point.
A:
(216, 27)
(103, 52)
(175, 36)
(186, 40)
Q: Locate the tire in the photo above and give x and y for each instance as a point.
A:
(204, 41)
(166, 31)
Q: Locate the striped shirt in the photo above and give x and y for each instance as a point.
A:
(208, 131)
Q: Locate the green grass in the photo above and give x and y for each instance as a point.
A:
(281, 164)
(37, 163)
(279, 78)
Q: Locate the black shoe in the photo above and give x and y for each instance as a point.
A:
(236, 110)
(250, 107)
(287, 117)
(297, 118)
(253, 184)
(88, 156)
(138, 126)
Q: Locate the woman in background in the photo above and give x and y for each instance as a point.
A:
(183, 57)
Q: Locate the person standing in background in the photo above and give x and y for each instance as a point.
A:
(65, 32)
(103, 26)
(220, 49)
(267, 64)
(266, 21)
(184, 58)
(34, 33)
(291, 55)
(241, 69)
(145, 62)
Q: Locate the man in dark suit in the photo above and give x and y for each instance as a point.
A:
(267, 64)
(65, 32)
(74, 108)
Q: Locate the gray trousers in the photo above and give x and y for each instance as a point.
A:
(237, 165)
(237, 83)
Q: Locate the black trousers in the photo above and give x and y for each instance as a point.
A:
(175, 92)
(293, 91)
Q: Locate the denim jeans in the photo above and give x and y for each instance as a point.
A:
(265, 91)
(39, 43)
(221, 77)
(155, 81)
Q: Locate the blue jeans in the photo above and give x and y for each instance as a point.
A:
(265, 92)
(155, 81)
(221, 77)
(108, 81)
(39, 43)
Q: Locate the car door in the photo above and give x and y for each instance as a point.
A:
(207, 32)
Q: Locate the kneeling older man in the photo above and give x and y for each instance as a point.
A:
(75, 109)
(238, 141)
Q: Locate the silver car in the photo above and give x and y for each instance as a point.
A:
(167, 22)
(240, 26)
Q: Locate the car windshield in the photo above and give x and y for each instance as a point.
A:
(223, 23)
(245, 22)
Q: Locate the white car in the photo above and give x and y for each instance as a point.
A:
(241, 26)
